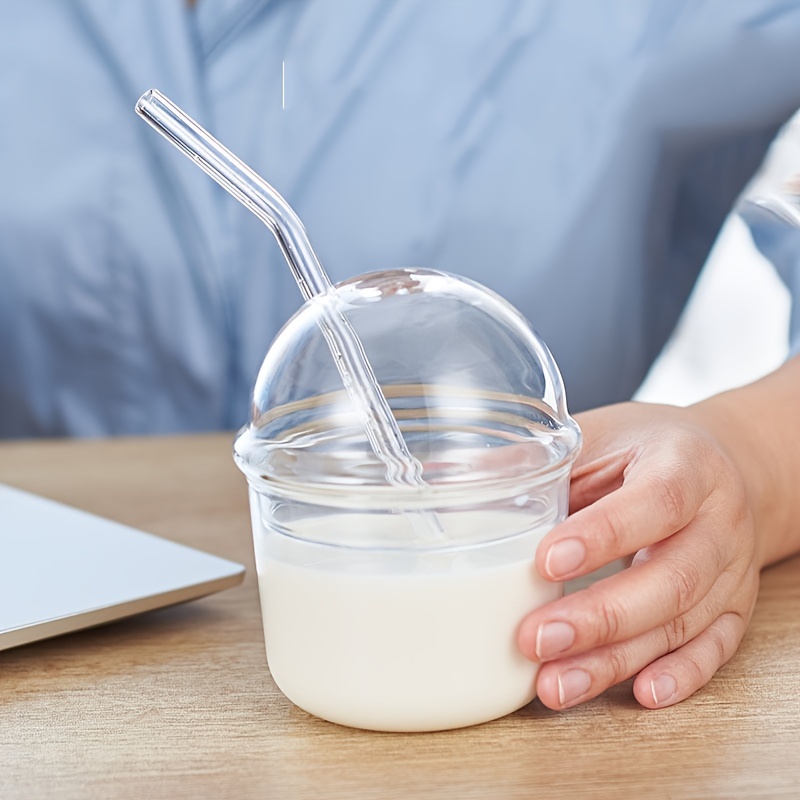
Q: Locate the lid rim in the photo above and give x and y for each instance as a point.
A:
(407, 498)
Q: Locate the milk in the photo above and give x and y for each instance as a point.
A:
(399, 641)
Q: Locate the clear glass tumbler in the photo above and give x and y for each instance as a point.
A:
(374, 617)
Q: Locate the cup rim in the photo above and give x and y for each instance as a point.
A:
(373, 495)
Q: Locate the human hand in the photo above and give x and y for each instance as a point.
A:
(654, 482)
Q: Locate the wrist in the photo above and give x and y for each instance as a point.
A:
(758, 428)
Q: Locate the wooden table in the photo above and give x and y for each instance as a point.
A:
(179, 702)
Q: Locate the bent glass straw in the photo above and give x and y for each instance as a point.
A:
(250, 189)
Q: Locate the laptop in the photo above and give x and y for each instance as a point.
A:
(62, 570)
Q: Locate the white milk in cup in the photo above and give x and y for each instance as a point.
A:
(394, 607)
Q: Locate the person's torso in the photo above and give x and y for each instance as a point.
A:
(553, 151)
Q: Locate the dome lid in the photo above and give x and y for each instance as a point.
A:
(476, 393)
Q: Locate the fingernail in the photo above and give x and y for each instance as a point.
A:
(572, 684)
(564, 557)
(553, 638)
(663, 688)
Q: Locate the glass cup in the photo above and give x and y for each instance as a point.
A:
(394, 607)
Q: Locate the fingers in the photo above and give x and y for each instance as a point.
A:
(669, 495)
(649, 594)
(662, 680)
(645, 510)
(676, 676)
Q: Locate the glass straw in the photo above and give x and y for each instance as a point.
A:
(382, 431)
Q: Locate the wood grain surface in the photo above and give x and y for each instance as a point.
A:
(179, 702)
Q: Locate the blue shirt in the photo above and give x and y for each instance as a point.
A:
(576, 157)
